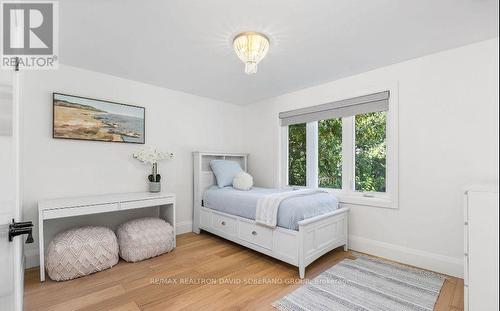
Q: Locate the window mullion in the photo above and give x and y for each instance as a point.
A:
(284, 159)
(348, 154)
(312, 154)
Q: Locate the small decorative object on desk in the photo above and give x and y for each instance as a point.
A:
(152, 156)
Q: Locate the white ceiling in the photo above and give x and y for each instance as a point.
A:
(185, 45)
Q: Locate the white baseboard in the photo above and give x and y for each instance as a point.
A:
(184, 227)
(435, 262)
(32, 259)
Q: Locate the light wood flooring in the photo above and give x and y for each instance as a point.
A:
(197, 262)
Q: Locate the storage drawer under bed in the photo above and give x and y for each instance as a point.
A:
(224, 224)
(256, 234)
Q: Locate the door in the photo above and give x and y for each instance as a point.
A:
(11, 267)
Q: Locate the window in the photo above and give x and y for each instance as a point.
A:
(330, 153)
(347, 147)
(297, 155)
(370, 151)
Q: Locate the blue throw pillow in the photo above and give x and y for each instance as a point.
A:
(225, 171)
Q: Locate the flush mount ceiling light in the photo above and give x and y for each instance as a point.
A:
(251, 48)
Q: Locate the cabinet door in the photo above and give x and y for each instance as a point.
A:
(483, 251)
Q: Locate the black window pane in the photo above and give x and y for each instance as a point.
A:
(370, 148)
(330, 153)
(297, 154)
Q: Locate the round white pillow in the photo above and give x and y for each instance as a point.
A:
(243, 181)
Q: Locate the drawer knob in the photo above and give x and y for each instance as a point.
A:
(254, 232)
(223, 223)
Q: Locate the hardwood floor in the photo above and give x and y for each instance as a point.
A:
(184, 280)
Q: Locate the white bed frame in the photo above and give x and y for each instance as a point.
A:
(316, 236)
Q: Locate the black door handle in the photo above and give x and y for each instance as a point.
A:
(20, 228)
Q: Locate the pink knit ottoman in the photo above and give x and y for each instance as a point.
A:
(144, 238)
(81, 251)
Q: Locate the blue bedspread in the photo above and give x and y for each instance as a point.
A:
(290, 212)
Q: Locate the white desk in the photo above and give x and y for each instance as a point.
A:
(70, 207)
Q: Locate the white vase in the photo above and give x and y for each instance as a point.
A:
(154, 186)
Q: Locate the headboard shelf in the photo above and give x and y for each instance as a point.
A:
(206, 157)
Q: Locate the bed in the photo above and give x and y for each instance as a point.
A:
(307, 227)
(293, 210)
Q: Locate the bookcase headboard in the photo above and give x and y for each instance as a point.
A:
(203, 177)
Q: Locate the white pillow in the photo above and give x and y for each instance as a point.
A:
(243, 181)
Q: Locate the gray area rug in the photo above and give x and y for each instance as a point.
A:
(366, 283)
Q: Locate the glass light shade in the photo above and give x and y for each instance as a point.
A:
(251, 48)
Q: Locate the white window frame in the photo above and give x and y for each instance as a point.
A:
(348, 195)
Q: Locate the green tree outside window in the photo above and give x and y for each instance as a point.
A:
(297, 154)
(370, 152)
(330, 153)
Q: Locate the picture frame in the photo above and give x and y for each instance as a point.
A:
(84, 118)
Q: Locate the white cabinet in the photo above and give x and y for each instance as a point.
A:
(481, 248)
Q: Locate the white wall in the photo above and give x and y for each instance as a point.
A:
(175, 122)
(448, 133)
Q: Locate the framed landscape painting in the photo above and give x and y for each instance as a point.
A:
(84, 118)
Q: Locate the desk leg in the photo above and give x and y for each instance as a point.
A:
(167, 213)
(41, 246)
(174, 224)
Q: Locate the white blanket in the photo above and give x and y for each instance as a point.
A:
(267, 206)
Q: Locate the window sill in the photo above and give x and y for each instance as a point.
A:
(350, 199)
(367, 201)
